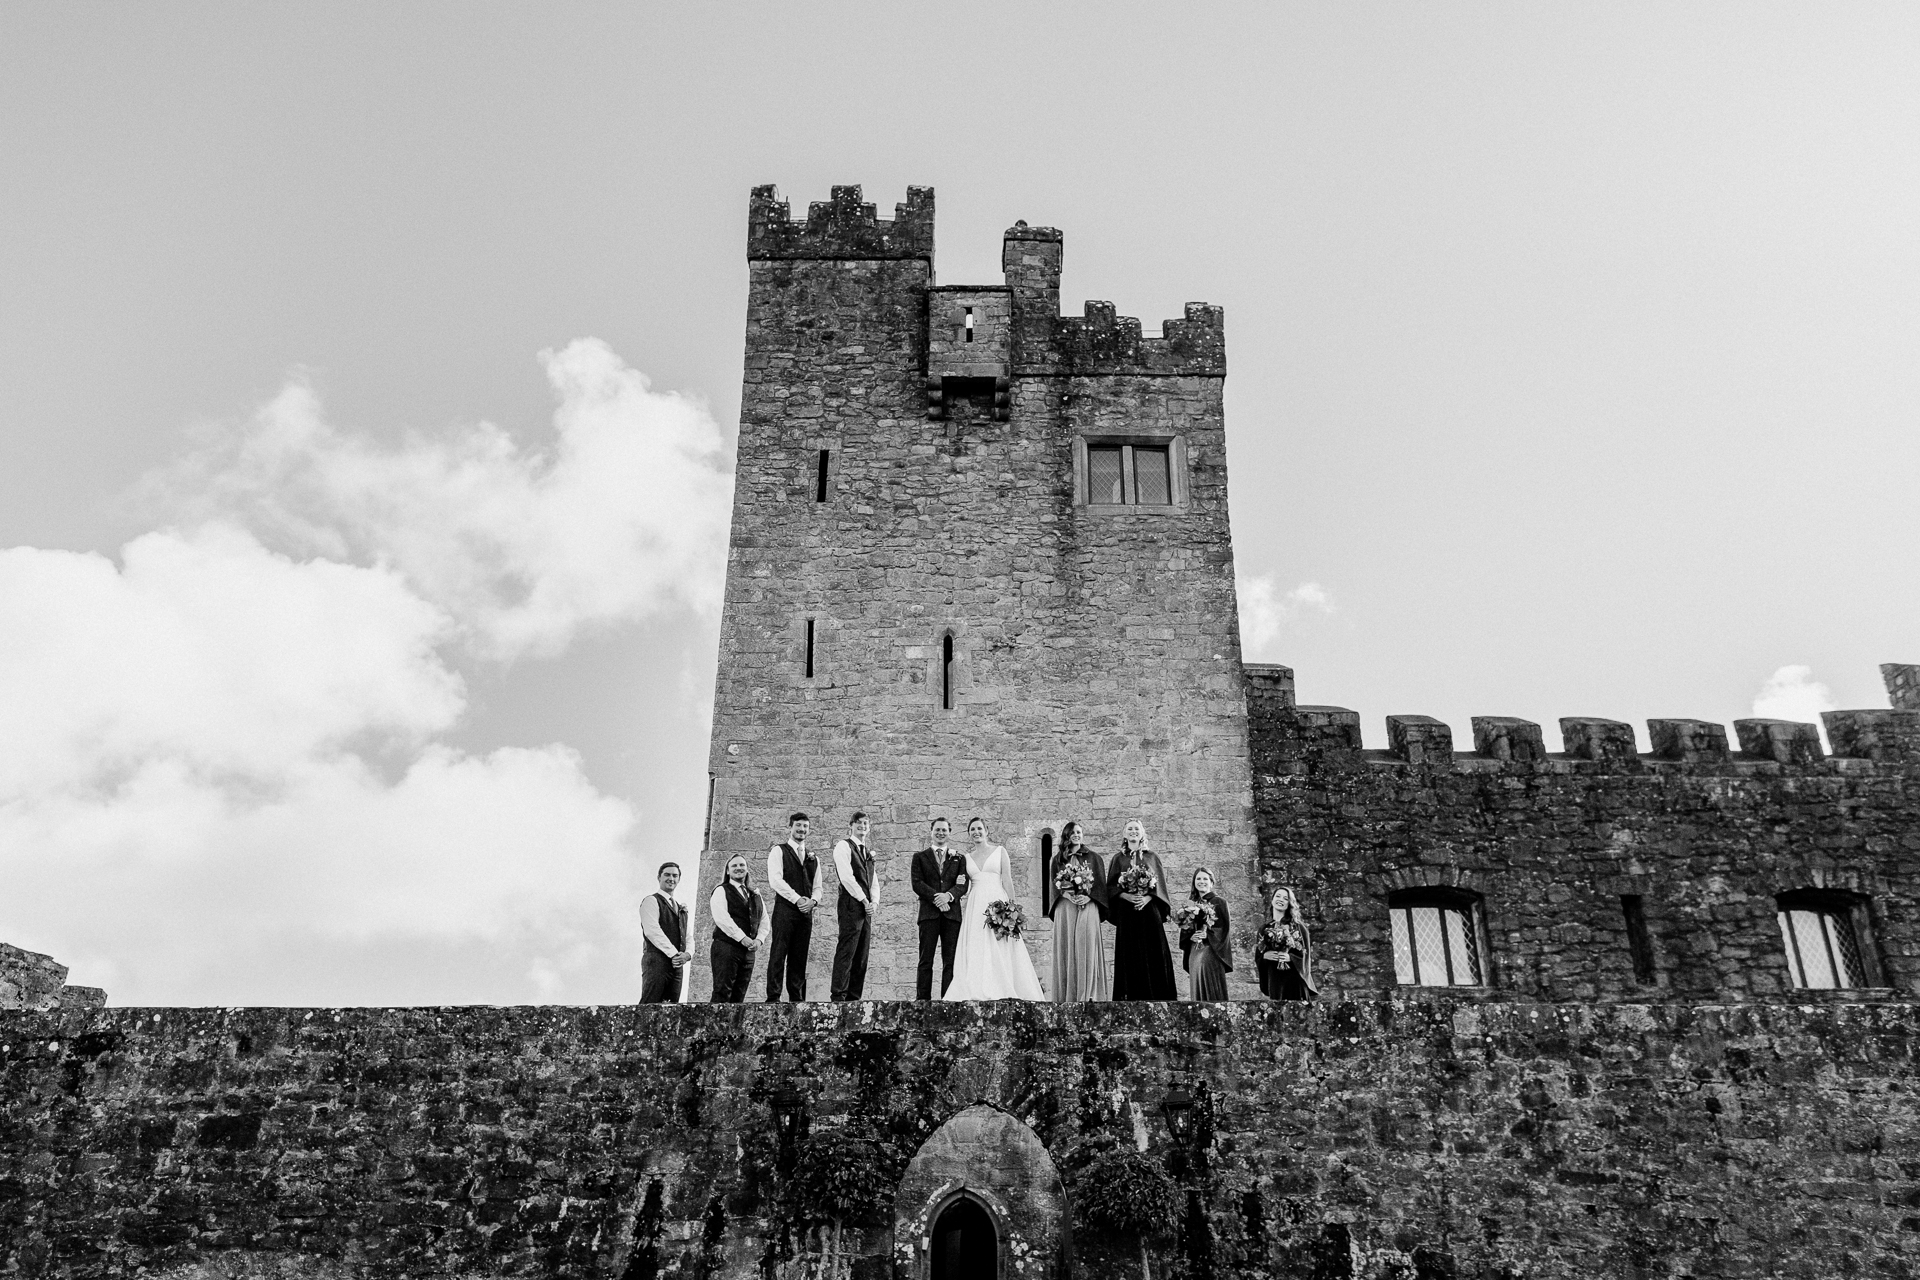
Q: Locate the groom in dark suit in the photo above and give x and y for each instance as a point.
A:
(939, 880)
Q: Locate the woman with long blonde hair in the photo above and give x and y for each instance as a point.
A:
(1138, 905)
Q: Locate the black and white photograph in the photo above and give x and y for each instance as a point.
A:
(1260, 641)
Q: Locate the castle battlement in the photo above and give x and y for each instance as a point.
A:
(1103, 342)
(840, 227)
(1876, 735)
(1601, 869)
(1889, 736)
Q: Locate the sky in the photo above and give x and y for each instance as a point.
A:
(369, 378)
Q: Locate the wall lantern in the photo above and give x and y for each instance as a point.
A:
(1179, 1109)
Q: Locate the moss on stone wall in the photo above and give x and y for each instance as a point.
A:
(1406, 1137)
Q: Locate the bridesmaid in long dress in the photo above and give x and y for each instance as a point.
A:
(1210, 953)
(1079, 970)
(1142, 963)
(1283, 953)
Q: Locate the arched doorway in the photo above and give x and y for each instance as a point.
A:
(981, 1198)
(964, 1243)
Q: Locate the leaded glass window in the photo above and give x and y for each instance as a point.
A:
(1436, 943)
(1151, 482)
(1130, 475)
(1823, 952)
(1105, 475)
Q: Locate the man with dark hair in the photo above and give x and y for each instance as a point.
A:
(664, 924)
(939, 880)
(854, 862)
(791, 868)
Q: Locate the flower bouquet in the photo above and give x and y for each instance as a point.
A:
(1074, 877)
(1280, 939)
(1006, 918)
(1195, 917)
(1137, 880)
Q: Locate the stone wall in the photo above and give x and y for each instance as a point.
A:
(29, 980)
(1096, 668)
(1403, 1138)
(1704, 836)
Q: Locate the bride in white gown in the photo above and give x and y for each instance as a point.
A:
(986, 966)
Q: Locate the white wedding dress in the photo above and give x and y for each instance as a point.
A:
(986, 966)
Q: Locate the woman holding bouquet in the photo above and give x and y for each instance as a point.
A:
(1283, 953)
(1204, 939)
(991, 961)
(1138, 906)
(1079, 879)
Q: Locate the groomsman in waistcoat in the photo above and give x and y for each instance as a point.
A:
(791, 869)
(739, 919)
(664, 924)
(853, 860)
(939, 881)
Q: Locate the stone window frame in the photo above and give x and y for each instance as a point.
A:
(1852, 911)
(1467, 901)
(1178, 478)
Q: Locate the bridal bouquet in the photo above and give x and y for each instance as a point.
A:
(1006, 918)
(1281, 938)
(1195, 917)
(1074, 877)
(1137, 880)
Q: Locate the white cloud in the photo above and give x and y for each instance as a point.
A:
(228, 748)
(208, 650)
(627, 514)
(1265, 613)
(1791, 693)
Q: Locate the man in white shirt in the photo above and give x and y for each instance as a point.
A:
(664, 924)
(791, 871)
(853, 861)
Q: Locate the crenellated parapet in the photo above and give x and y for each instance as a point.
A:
(1888, 736)
(1618, 867)
(840, 227)
(1104, 343)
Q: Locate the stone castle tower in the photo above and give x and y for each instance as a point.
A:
(980, 564)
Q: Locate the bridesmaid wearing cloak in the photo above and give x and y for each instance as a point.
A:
(1210, 953)
(1283, 953)
(1142, 962)
(1079, 969)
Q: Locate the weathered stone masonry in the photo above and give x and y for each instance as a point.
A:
(1647, 1099)
(1404, 1138)
(29, 980)
(1706, 837)
(1096, 664)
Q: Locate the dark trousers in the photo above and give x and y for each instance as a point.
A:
(732, 966)
(942, 933)
(659, 980)
(850, 953)
(787, 952)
